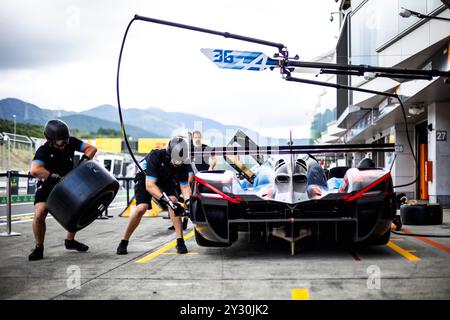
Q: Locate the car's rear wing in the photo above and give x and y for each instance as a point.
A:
(300, 149)
(249, 148)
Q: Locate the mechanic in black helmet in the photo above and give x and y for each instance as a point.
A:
(162, 170)
(202, 163)
(52, 161)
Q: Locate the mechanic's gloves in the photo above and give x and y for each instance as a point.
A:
(187, 209)
(54, 176)
(176, 206)
(165, 199)
(83, 158)
(178, 209)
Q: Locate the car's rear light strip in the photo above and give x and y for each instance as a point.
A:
(211, 195)
(220, 193)
(360, 193)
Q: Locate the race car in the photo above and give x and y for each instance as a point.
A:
(289, 195)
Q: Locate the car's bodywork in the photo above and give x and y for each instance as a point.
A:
(291, 196)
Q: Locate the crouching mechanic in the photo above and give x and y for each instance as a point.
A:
(162, 169)
(52, 161)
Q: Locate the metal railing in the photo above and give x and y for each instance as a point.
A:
(10, 174)
(15, 142)
(127, 182)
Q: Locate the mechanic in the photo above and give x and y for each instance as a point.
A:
(52, 161)
(316, 179)
(202, 163)
(162, 169)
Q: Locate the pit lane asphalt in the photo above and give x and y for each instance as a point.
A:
(24, 212)
(250, 269)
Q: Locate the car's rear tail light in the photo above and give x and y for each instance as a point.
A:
(367, 191)
(234, 199)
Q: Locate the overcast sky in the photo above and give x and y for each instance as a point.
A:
(63, 54)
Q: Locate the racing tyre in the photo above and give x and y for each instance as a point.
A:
(421, 214)
(202, 242)
(381, 240)
(82, 195)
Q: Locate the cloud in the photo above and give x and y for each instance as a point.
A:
(36, 34)
(63, 54)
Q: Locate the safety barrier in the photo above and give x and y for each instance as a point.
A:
(9, 175)
(127, 180)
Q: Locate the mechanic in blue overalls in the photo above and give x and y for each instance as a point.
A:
(162, 170)
(52, 161)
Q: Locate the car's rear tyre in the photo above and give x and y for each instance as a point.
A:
(202, 242)
(82, 195)
(384, 239)
(421, 214)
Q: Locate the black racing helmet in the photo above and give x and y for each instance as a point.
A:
(178, 150)
(366, 163)
(56, 130)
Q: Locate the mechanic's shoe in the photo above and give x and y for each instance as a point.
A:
(36, 254)
(185, 223)
(171, 227)
(122, 248)
(75, 245)
(397, 222)
(181, 247)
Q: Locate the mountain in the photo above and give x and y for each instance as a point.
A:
(29, 113)
(167, 123)
(149, 123)
(92, 124)
(26, 112)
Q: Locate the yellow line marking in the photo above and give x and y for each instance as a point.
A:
(403, 252)
(14, 218)
(163, 249)
(179, 253)
(411, 251)
(300, 294)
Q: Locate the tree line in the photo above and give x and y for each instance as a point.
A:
(32, 130)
